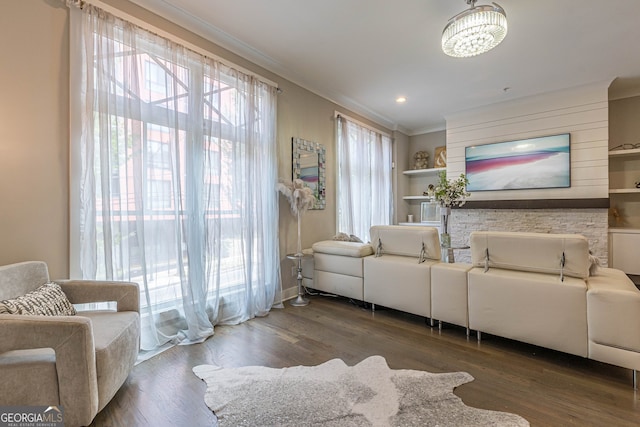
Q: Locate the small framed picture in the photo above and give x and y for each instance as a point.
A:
(440, 158)
(428, 211)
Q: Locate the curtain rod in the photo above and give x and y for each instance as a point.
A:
(172, 37)
(337, 114)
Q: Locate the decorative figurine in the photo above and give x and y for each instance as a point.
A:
(421, 160)
(431, 191)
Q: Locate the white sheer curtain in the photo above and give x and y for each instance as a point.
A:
(176, 174)
(364, 178)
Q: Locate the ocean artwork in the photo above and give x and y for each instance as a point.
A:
(518, 165)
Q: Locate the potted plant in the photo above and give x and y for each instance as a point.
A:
(449, 193)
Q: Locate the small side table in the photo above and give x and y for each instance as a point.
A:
(300, 301)
(447, 253)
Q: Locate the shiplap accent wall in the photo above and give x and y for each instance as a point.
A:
(584, 113)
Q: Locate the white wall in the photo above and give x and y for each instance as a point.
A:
(34, 117)
(581, 111)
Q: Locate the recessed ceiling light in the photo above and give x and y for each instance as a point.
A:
(401, 100)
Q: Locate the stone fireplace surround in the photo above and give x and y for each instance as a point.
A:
(589, 222)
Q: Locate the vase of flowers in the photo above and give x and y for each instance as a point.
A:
(449, 193)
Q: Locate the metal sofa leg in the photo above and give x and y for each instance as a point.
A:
(479, 335)
(635, 379)
(373, 307)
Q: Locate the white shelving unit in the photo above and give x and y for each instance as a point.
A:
(421, 172)
(624, 172)
(624, 235)
(423, 198)
(419, 180)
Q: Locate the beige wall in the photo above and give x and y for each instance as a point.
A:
(426, 142)
(624, 121)
(401, 150)
(34, 113)
(34, 165)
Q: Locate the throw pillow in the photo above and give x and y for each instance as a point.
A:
(344, 237)
(47, 300)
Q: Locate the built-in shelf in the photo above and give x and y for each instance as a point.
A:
(624, 190)
(424, 224)
(416, 198)
(632, 152)
(624, 230)
(421, 173)
(430, 171)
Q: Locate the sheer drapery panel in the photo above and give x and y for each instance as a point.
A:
(364, 178)
(177, 171)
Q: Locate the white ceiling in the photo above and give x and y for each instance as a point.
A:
(363, 54)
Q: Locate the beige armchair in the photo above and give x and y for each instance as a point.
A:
(78, 362)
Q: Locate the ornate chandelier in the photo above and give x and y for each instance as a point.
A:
(474, 31)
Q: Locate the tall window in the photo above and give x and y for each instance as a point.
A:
(364, 178)
(175, 178)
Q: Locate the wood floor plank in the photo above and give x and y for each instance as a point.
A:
(546, 387)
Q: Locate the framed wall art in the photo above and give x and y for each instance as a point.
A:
(542, 162)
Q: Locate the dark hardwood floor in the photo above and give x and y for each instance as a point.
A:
(548, 388)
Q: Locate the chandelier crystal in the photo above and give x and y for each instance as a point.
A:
(474, 31)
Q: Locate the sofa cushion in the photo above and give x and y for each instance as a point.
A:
(337, 247)
(406, 241)
(116, 337)
(18, 279)
(344, 265)
(538, 309)
(561, 254)
(399, 282)
(614, 308)
(47, 300)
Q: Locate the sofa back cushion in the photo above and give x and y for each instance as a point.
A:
(406, 240)
(533, 252)
(337, 247)
(19, 279)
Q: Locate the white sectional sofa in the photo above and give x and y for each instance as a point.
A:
(519, 289)
(338, 267)
(399, 274)
(531, 287)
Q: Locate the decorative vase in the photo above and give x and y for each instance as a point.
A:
(445, 237)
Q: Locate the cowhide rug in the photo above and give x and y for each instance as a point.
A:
(334, 394)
